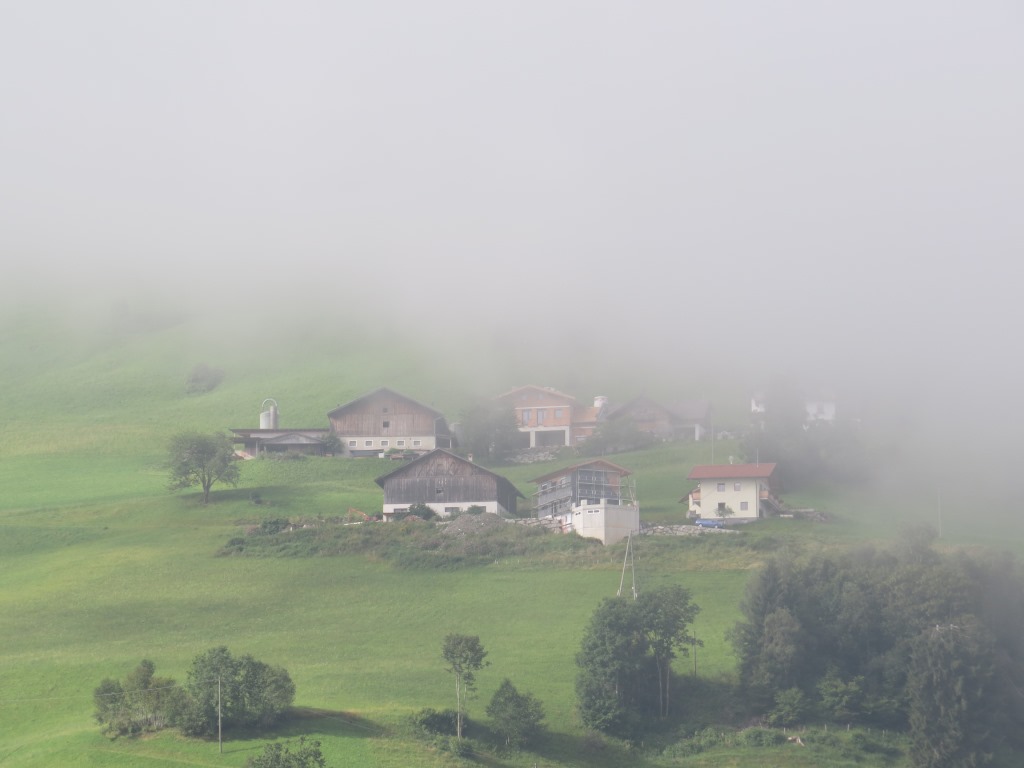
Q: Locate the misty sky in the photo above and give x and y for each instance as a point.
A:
(840, 181)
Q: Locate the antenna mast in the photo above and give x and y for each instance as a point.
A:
(628, 560)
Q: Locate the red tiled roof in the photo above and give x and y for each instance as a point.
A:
(730, 471)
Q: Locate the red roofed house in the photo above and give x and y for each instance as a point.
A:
(731, 491)
(547, 417)
(595, 499)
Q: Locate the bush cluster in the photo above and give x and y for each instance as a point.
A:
(250, 693)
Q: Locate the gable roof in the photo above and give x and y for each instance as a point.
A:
(597, 463)
(476, 467)
(534, 387)
(282, 435)
(730, 471)
(382, 391)
(684, 410)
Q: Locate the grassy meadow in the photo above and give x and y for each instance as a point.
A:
(101, 567)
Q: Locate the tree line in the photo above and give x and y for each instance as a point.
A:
(904, 638)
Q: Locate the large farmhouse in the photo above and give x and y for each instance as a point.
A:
(448, 484)
(384, 420)
(547, 417)
(731, 491)
(595, 499)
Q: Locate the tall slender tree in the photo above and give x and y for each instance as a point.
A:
(464, 655)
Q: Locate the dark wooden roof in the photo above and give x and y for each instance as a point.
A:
(502, 481)
(384, 391)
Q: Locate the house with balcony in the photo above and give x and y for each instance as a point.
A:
(732, 492)
(547, 417)
(595, 499)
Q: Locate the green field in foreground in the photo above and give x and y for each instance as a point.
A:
(100, 567)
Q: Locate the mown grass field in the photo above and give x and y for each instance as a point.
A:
(101, 567)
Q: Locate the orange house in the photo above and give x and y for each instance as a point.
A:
(547, 417)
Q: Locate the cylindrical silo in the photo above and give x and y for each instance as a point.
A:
(268, 416)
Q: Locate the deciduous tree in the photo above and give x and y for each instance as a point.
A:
(516, 715)
(249, 692)
(464, 655)
(201, 459)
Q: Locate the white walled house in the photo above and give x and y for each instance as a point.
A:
(732, 492)
(595, 499)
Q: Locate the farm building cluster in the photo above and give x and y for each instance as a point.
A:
(595, 498)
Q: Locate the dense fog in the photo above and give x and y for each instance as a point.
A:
(827, 193)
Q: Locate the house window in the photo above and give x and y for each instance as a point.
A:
(368, 443)
(737, 486)
(448, 511)
(384, 409)
(415, 443)
(401, 443)
(526, 416)
(721, 506)
(558, 413)
(721, 487)
(351, 443)
(744, 506)
(540, 416)
(386, 424)
(385, 443)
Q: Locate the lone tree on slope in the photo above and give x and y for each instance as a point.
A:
(197, 459)
(465, 656)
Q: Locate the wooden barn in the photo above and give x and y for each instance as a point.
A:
(448, 484)
(385, 420)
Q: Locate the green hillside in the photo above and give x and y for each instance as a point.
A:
(102, 567)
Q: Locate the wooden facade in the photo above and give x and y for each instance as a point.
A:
(384, 420)
(689, 420)
(447, 484)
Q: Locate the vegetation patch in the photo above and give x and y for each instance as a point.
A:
(469, 540)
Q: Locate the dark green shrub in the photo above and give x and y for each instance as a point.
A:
(444, 722)
(270, 527)
(762, 737)
(790, 708)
